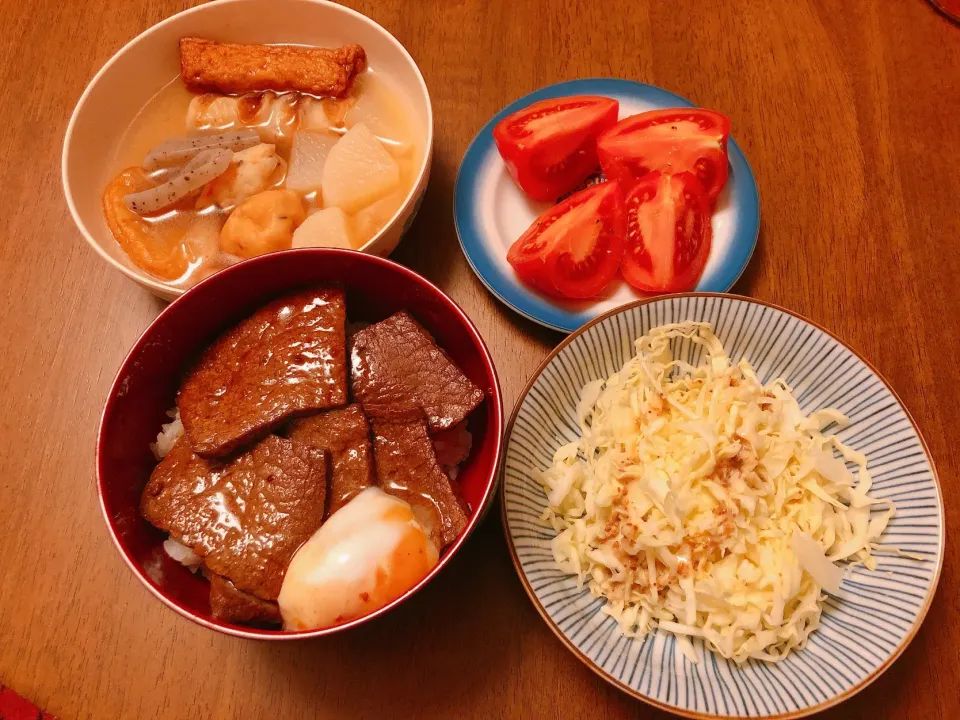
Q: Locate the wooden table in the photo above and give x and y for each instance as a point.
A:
(849, 112)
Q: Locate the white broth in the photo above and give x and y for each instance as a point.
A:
(183, 242)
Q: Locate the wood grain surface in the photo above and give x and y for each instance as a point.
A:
(848, 111)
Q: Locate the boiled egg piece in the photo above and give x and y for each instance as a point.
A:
(369, 553)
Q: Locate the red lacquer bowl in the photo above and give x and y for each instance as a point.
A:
(146, 386)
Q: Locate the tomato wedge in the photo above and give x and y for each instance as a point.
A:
(668, 233)
(550, 147)
(669, 141)
(574, 249)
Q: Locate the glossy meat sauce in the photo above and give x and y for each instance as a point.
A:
(245, 518)
(245, 499)
(345, 435)
(408, 469)
(286, 359)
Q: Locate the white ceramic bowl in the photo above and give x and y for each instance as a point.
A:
(151, 60)
(864, 627)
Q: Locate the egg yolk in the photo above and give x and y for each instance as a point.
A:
(369, 553)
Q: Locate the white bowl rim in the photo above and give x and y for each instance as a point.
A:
(682, 712)
(141, 277)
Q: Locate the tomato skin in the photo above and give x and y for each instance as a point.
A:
(670, 141)
(549, 147)
(709, 122)
(574, 249)
(668, 233)
(534, 272)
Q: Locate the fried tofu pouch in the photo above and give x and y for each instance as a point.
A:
(210, 66)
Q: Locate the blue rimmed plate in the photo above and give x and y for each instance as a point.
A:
(864, 627)
(491, 212)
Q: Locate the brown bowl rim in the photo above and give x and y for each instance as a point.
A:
(495, 398)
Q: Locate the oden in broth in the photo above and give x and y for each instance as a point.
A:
(277, 190)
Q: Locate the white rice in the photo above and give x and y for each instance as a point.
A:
(182, 554)
(169, 434)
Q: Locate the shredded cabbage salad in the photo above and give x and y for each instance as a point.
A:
(702, 503)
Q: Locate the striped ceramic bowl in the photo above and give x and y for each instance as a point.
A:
(863, 629)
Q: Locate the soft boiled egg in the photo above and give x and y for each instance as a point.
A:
(369, 553)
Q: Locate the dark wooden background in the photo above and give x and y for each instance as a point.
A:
(849, 112)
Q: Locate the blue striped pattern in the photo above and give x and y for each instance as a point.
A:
(862, 628)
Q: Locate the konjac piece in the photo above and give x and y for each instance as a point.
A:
(286, 359)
